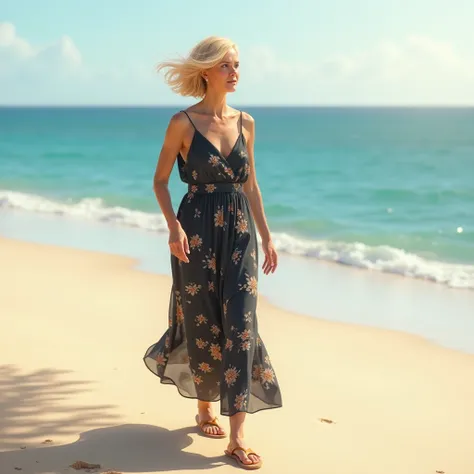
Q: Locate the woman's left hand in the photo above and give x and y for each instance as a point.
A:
(271, 257)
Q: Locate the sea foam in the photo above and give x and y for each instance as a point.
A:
(380, 258)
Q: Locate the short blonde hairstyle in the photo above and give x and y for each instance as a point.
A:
(184, 75)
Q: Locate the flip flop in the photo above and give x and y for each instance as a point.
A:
(248, 451)
(212, 422)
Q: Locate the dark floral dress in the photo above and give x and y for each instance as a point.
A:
(212, 350)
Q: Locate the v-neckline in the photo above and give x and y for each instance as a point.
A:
(215, 148)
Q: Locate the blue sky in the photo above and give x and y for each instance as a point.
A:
(299, 52)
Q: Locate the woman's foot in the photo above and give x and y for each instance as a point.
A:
(206, 414)
(247, 459)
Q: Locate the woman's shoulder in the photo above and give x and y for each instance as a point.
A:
(248, 122)
(179, 125)
(246, 117)
(180, 119)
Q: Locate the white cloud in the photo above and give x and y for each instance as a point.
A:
(11, 44)
(418, 69)
(420, 57)
(57, 74)
(18, 56)
(417, 55)
(415, 70)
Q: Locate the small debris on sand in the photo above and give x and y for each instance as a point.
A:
(326, 420)
(84, 465)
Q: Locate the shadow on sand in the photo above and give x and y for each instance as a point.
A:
(128, 448)
(29, 410)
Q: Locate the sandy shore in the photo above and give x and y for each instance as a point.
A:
(75, 325)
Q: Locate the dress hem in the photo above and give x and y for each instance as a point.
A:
(168, 381)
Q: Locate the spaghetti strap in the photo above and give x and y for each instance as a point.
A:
(192, 123)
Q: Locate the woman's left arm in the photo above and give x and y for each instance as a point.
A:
(252, 191)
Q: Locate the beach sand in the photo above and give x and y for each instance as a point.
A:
(73, 386)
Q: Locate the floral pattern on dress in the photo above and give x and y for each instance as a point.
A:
(250, 284)
(212, 349)
(195, 242)
(210, 261)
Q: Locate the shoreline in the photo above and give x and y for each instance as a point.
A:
(133, 265)
(419, 265)
(317, 289)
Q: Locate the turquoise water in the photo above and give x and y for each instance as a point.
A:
(385, 189)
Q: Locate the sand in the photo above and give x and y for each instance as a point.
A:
(73, 386)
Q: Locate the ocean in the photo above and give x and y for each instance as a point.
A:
(385, 189)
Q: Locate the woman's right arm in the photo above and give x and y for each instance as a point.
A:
(172, 145)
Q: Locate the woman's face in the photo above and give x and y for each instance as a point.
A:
(224, 76)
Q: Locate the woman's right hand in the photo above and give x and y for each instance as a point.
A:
(178, 243)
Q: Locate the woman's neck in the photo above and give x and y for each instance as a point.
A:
(214, 105)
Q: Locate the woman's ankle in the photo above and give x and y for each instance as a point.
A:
(236, 437)
(205, 407)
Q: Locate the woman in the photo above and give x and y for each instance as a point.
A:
(212, 350)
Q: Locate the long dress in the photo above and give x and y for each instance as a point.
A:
(212, 349)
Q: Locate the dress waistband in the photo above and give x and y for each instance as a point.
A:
(215, 188)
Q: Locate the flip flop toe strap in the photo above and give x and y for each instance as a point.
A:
(246, 451)
(213, 422)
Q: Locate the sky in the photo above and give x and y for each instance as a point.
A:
(303, 52)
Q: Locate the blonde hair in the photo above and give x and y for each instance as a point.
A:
(184, 75)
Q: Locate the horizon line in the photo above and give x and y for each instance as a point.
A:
(413, 105)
